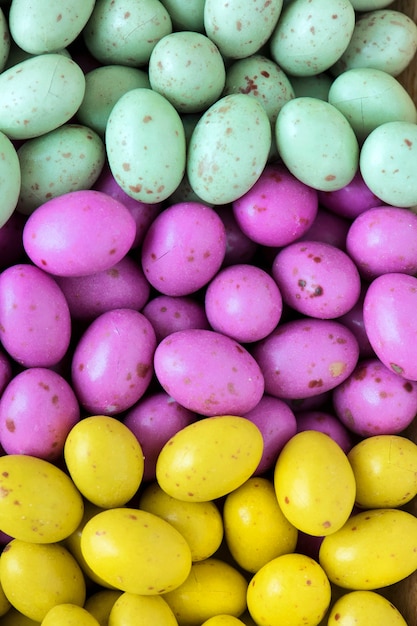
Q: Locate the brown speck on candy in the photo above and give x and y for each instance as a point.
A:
(142, 370)
(396, 368)
(10, 425)
(315, 383)
(126, 167)
(330, 177)
(147, 119)
(327, 524)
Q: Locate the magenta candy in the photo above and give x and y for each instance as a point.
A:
(353, 319)
(243, 302)
(325, 423)
(375, 401)
(389, 314)
(239, 247)
(154, 420)
(208, 373)
(183, 248)
(306, 357)
(35, 323)
(78, 233)
(384, 240)
(278, 209)
(351, 200)
(112, 362)
(317, 279)
(168, 314)
(123, 286)
(277, 423)
(328, 228)
(37, 410)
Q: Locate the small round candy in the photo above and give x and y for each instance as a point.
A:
(367, 607)
(325, 423)
(66, 614)
(132, 608)
(168, 314)
(351, 200)
(10, 178)
(328, 228)
(243, 302)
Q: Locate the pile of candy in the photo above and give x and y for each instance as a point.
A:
(208, 253)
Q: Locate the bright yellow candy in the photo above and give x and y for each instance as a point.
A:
(209, 458)
(36, 577)
(100, 603)
(105, 460)
(223, 620)
(4, 602)
(385, 469)
(200, 523)
(136, 610)
(14, 618)
(364, 607)
(292, 589)
(314, 483)
(256, 530)
(39, 502)
(69, 615)
(135, 551)
(373, 549)
(212, 588)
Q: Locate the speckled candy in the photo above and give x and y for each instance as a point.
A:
(79, 233)
(351, 200)
(10, 178)
(34, 317)
(112, 362)
(169, 314)
(227, 381)
(306, 357)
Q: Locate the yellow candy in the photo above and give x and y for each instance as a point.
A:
(373, 549)
(256, 530)
(105, 460)
(314, 483)
(137, 610)
(209, 458)
(364, 607)
(223, 620)
(200, 523)
(100, 604)
(385, 469)
(69, 615)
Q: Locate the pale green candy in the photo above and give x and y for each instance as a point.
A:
(384, 40)
(388, 163)
(4, 40)
(316, 86)
(103, 88)
(369, 98)
(145, 144)
(125, 32)
(228, 149)
(9, 178)
(188, 69)
(240, 28)
(317, 143)
(311, 36)
(68, 158)
(17, 55)
(370, 5)
(186, 14)
(44, 26)
(39, 94)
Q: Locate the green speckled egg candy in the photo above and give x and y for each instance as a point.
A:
(4, 40)
(317, 143)
(186, 14)
(9, 178)
(145, 144)
(39, 94)
(42, 26)
(68, 158)
(228, 149)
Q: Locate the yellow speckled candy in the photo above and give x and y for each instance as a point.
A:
(135, 551)
(39, 502)
(133, 609)
(256, 529)
(100, 604)
(373, 549)
(209, 458)
(69, 615)
(314, 483)
(364, 607)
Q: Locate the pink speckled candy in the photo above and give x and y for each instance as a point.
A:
(278, 209)
(5, 371)
(208, 373)
(351, 200)
(123, 286)
(154, 420)
(375, 401)
(325, 423)
(243, 302)
(112, 362)
(168, 314)
(79, 233)
(37, 410)
(317, 279)
(183, 248)
(306, 357)
(239, 248)
(35, 324)
(389, 314)
(329, 228)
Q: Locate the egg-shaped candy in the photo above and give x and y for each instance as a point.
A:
(328, 228)
(35, 329)
(5, 40)
(168, 314)
(368, 607)
(10, 178)
(78, 233)
(326, 423)
(351, 200)
(317, 143)
(306, 357)
(67, 613)
(39, 94)
(145, 144)
(208, 373)
(317, 279)
(183, 248)
(141, 610)
(38, 408)
(389, 318)
(112, 362)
